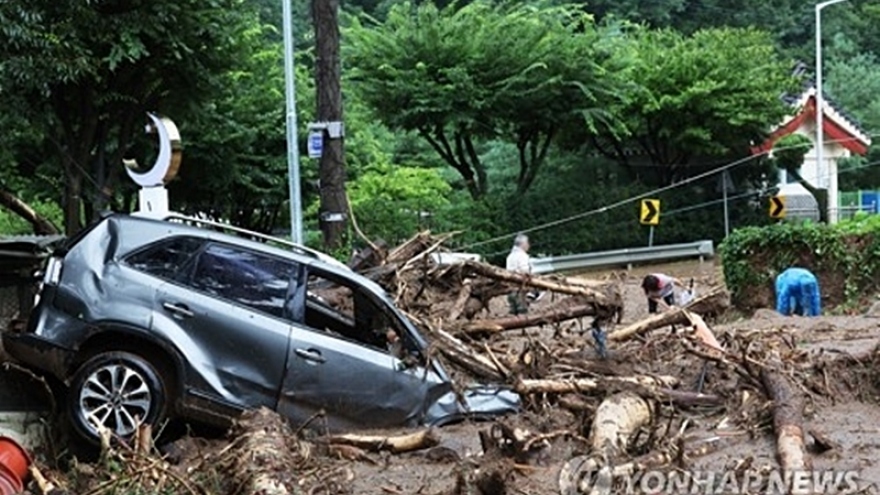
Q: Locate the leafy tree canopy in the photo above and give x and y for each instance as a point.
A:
(459, 75)
(88, 71)
(710, 94)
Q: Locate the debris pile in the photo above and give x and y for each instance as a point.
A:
(672, 392)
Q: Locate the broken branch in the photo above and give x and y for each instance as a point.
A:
(395, 444)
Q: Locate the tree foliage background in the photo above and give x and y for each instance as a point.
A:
(475, 116)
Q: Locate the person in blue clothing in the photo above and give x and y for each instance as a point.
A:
(797, 292)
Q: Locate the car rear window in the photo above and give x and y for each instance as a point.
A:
(167, 258)
(250, 279)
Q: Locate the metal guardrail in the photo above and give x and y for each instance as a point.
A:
(624, 257)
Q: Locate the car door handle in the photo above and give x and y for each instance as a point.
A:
(179, 310)
(310, 355)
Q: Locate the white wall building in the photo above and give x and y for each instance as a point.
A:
(843, 138)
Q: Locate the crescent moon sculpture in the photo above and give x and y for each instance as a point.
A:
(170, 153)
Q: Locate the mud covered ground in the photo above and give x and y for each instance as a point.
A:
(847, 411)
(832, 358)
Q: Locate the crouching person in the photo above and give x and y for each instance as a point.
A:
(797, 292)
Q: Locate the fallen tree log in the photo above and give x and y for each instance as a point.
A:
(553, 315)
(465, 356)
(461, 301)
(261, 456)
(419, 440)
(40, 224)
(687, 399)
(575, 385)
(702, 332)
(788, 421)
(592, 294)
(713, 302)
(654, 388)
(617, 420)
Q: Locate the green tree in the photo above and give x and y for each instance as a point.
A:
(699, 97)
(235, 159)
(90, 70)
(852, 80)
(393, 202)
(461, 76)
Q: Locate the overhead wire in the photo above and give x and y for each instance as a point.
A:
(633, 199)
(761, 193)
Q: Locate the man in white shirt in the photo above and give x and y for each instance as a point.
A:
(518, 261)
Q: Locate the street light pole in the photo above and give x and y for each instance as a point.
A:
(820, 115)
(296, 227)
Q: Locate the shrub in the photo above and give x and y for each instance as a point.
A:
(844, 257)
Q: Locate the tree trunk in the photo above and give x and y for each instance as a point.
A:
(821, 195)
(72, 201)
(788, 421)
(419, 440)
(553, 315)
(40, 224)
(576, 385)
(590, 292)
(712, 302)
(332, 176)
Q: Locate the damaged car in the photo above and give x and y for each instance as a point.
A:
(146, 320)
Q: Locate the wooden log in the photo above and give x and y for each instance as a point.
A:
(688, 399)
(410, 248)
(369, 257)
(395, 444)
(617, 419)
(702, 332)
(461, 301)
(466, 357)
(260, 450)
(552, 315)
(714, 301)
(788, 421)
(576, 385)
(591, 294)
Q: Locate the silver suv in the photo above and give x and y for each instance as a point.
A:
(147, 319)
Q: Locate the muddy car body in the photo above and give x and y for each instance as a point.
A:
(146, 319)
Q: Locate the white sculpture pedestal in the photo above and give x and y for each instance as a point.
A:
(153, 202)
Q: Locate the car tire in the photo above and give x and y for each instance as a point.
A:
(118, 389)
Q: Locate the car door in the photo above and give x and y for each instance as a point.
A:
(228, 311)
(355, 383)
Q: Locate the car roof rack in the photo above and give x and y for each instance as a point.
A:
(299, 248)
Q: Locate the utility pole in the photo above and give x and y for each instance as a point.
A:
(332, 175)
(831, 180)
(296, 227)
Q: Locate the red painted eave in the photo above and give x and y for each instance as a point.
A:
(832, 130)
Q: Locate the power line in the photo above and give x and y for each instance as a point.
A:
(654, 192)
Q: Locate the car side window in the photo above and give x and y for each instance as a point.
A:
(254, 280)
(346, 311)
(167, 258)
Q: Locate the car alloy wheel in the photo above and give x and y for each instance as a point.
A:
(115, 397)
(117, 391)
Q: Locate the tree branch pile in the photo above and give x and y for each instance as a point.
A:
(458, 292)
